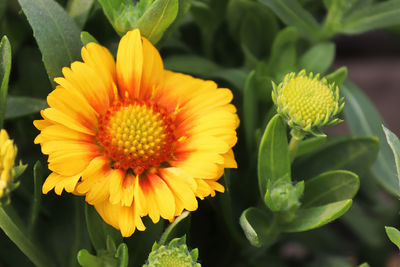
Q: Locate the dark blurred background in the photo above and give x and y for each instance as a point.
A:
(373, 63)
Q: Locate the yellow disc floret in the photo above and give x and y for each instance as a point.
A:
(307, 102)
(136, 136)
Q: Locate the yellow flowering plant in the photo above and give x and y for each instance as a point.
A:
(192, 133)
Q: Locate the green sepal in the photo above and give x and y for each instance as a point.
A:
(283, 196)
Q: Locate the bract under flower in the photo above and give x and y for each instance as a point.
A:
(135, 139)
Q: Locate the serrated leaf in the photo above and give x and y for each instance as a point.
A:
(318, 58)
(258, 226)
(18, 106)
(55, 32)
(5, 69)
(394, 144)
(353, 154)
(157, 19)
(310, 218)
(394, 235)
(273, 155)
(378, 16)
(293, 14)
(331, 186)
(364, 120)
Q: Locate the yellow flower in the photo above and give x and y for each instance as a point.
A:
(307, 102)
(7, 156)
(134, 138)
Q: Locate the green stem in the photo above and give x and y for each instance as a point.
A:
(19, 236)
(293, 146)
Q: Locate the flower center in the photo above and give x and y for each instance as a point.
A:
(136, 136)
(308, 100)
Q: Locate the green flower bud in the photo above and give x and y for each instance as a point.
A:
(176, 254)
(307, 102)
(283, 196)
(8, 172)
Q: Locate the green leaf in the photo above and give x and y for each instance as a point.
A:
(394, 144)
(259, 227)
(394, 235)
(5, 68)
(99, 230)
(378, 16)
(157, 19)
(273, 155)
(79, 10)
(310, 145)
(88, 260)
(37, 195)
(175, 229)
(255, 38)
(55, 32)
(122, 255)
(18, 106)
(293, 14)
(364, 120)
(353, 154)
(191, 64)
(331, 186)
(183, 9)
(318, 58)
(87, 38)
(338, 76)
(283, 53)
(310, 218)
(19, 236)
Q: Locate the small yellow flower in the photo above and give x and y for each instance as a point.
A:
(135, 139)
(7, 156)
(307, 102)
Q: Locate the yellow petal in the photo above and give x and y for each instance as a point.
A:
(130, 64)
(102, 62)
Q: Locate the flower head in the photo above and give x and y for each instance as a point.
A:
(176, 254)
(307, 102)
(135, 139)
(8, 151)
